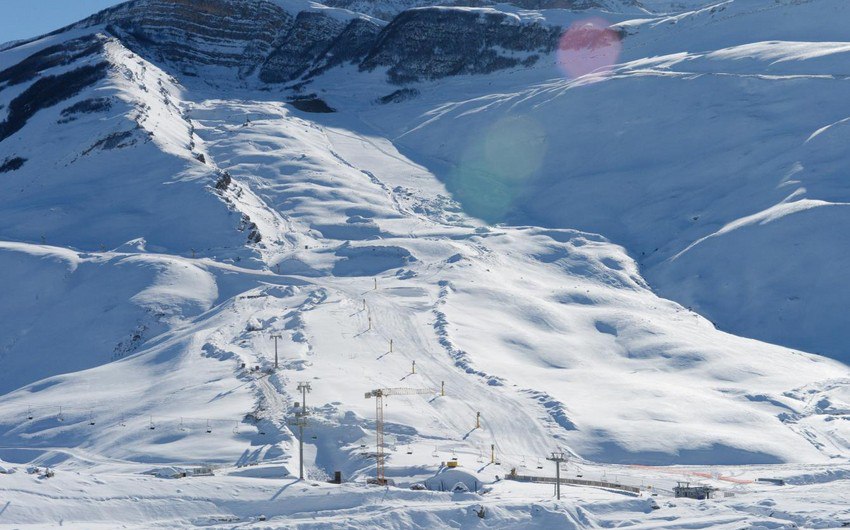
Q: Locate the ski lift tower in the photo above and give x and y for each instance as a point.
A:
(557, 457)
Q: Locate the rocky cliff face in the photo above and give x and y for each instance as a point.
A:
(304, 45)
(82, 65)
(579, 5)
(247, 38)
(350, 46)
(430, 43)
(389, 9)
(193, 35)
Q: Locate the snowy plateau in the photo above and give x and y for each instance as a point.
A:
(616, 231)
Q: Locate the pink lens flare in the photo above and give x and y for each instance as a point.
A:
(587, 46)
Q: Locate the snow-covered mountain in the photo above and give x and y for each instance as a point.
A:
(637, 263)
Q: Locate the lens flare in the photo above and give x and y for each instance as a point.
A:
(496, 163)
(587, 46)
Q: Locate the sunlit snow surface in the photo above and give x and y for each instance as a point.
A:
(123, 333)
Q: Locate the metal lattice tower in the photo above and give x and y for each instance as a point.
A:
(379, 395)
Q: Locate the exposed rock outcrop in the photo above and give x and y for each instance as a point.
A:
(389, 9)
(431, 43)
(194, 34)
(48, 91)
(308, 40)
(12, 164)
(248, 37)
(350, 46)
(274, 43)
(57, 55)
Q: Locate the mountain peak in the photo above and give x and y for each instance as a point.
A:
(290, 42)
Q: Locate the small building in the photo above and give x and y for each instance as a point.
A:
(685, 490)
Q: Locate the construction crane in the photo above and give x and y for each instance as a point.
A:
(379, 395)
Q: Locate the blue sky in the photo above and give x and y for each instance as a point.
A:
(21, 19)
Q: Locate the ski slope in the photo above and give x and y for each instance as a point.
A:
(143, 283)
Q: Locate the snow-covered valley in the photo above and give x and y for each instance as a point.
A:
(461, 237)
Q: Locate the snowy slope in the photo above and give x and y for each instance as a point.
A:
(83, 145)
(145, 276)
(712, 153)
(362, 218)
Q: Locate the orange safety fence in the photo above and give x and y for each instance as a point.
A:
(702, 474)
